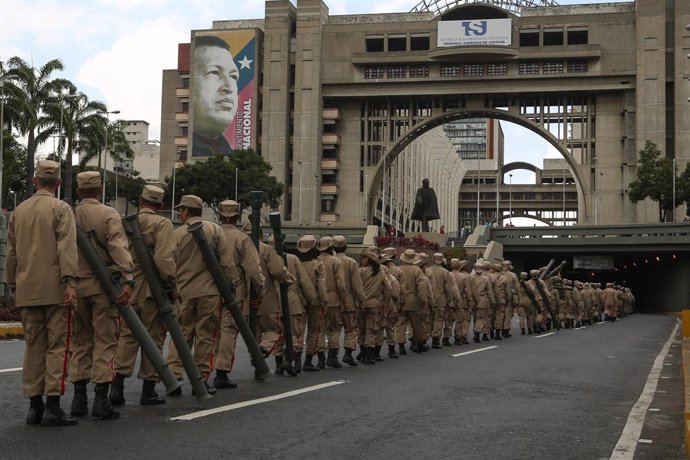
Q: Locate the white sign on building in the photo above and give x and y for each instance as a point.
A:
(475, 32)
(593, 262)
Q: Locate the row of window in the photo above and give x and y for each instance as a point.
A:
(517, 196)
(379, 72)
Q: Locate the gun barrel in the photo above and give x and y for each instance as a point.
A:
(112, 290)
(229, 300)
(166, 310)
(278, 237)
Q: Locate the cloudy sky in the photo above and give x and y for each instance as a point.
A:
(115, 50)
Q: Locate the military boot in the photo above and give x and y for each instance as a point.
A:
(491, 333)
(360, 355)
(36, 408)
(476, 338)
(101, 404)
(392, 354)
(149, 396)
(308, 365)
(54, 415)
(80, 402)
(368, 356)
(522, 331)
(529, 331)
(377, 353)
(436, 343)
(117, 391)
(222, 381)
(446, 342)
(464, 340)
(333, 359)
(298, 362)
(506, 333)
(401, 347)
(485, 338)
(457, 341)
(279, 365)
(497, 335)
(348, 359)
(322, 360)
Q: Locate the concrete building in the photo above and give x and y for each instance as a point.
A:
(340, 98)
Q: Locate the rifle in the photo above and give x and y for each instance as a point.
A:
(112, 289)
(531, 296)
(229, 300)
(279, 238)
(547, 304)
(166, 311)
(255, 219)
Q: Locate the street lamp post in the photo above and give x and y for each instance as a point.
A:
(105, 156)
(673, 211)
(299, 163)
(510, 197)
(564, 197)
(172, 200)
(59, 149)
(479, 179)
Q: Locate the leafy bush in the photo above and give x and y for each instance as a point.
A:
(8, 311)
(403, 241)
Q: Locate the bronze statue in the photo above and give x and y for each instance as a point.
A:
(425, 205)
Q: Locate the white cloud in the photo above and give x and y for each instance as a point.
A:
(393, 6)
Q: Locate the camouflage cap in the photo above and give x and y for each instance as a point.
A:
(534, 273)
(191, 201)
(152, 194)
(306, 243)
(88, 179)
(339, 241)
(47, 169)
(229, 208)
(371, 256)
(408, 257)
(325, 243)
(437, 258)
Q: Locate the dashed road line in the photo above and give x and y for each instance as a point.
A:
(544, 335)
(12, 369)
(473, 351)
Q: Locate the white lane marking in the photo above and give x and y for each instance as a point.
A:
(663, 392)
(645, 441)
(240, 405)
(653, 409)
(544, 335)
(11, 341)
(473, 351)
(581, 327)
(12, 369)
(666, 377)
(668, 364)
(625, 448)
(598, 324)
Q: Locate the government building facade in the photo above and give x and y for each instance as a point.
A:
(352, 111)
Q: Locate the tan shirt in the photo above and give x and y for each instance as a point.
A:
(317, 275)
(501, 288)
(41, 250)
(353, 282)
(482, 292)
(413, 287)
(462, 281)
(246, 259)
(513, 283)
(275, 272)
(377, 288)
(157, 232)
(108, 238)
(335, 280)
(302, 291)
(443, 285)
(193, 277)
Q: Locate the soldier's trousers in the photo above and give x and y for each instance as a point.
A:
(46, 332)
(315, 322)
(522, 317)
(270, 333)
(351, 326)
(95, 329)
(199, 319)
(508, 313)
(449, 320)
(498, 316)
(437, 320)
(334, 324)
(462, 322)
(128, 347)
(298, 326)
(401, 327)
(481, 321)
(224, 347)
(424, 316)
(371, 326)
(390, 324)
(419, 332)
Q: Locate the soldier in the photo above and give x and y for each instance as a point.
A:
(391, 315)
(301, 294)
(414, 290)
(590, 299)
(610, 303)
(426, 310)
(337, 300)
(540, 317)
(483, 296)
(269, 322)
(96, 319)
(157, 232)
(503, 294)
(465, 305)
(246, 260)
(446, 295)
(42, 271)
(199, 310)
(354, 299)
(377, 289)
(525, 308)
(579, 301)
(513, 299)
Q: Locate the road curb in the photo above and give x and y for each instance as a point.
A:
(11, 330)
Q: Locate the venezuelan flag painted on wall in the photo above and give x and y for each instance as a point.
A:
(241, 134)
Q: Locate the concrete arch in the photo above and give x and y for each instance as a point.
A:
(518, 165)
(524, 216)
(396, 148)
(439, 7)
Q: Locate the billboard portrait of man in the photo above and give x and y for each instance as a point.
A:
(223, 93)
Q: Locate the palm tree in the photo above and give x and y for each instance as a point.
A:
(118, 147)
(82, 122)
(29, 91)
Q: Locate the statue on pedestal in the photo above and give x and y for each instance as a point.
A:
(425, 205)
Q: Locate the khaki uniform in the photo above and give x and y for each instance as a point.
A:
(96, 319)
(513, 299)
(483, 296)
(41, 262)
(269, 324)
(414, 292)
(446, 296)
(426, 309)
(503, 296)
(301, 293)
(316, 312)
(463, 309)
(199, 310)
(579, 301)
(610, 295)
(337, 297)
(355, 297)
(157, 232)
(389, 316)
(525, 306)
(246, 260)
(377, 292)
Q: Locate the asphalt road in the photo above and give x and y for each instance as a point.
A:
(563, 396)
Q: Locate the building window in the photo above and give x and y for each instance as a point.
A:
(373, 72)
(182, 155)
(473, 70)
(553, 37)
(496, 69)
(450, 70)
(185, 82)
(374, 44)
(397, 71)
(553, 67)
(397, 43)
(419, 42)
(184, 130)
(528, 68)
(419, 71)
(185, 106)
(577, 37)
(577, 66)
(529, 38)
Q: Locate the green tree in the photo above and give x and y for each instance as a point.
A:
(214, 180)
(655, 181)
(14, 169)
(28, 90)
(118, 147)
